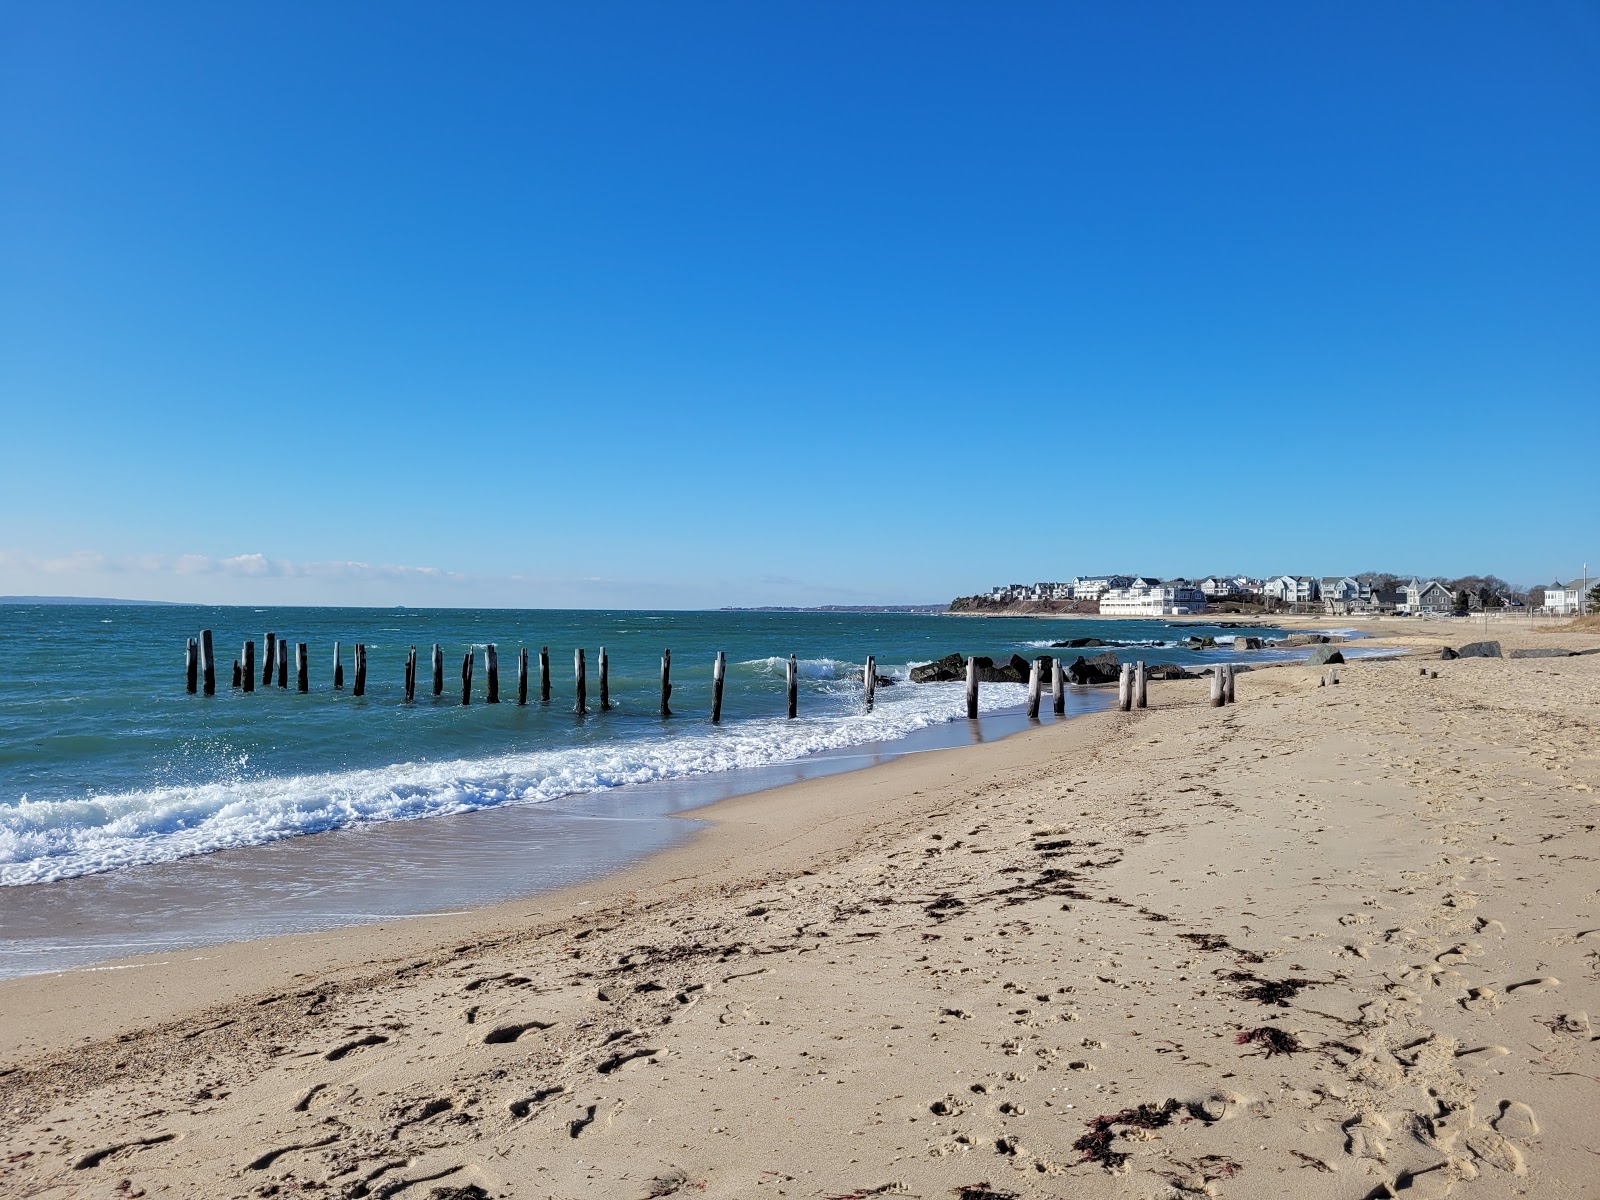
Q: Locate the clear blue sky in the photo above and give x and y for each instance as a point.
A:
(692, 304)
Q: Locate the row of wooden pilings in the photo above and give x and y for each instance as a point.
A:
(200, 671)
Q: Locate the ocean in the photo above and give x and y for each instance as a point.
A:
(128, 804)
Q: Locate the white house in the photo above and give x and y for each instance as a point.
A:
(1346, 589)
(1432, 596)
(1218, 587)
(1145, 598)
(1291, 589)
(1569, 599)
(1092, 587)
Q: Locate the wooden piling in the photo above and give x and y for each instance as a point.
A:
(1058, 687)
(1141, 696)
(1333, 675)
(411, 675)
(869, 679)
(438, 669)
(605, 680)
(1033, 691)
(522, 676)
(972, 689)
(1227, 685)
(666, 682)
(208, 663)
(360, 688)
(338, 668)
(580, 677)
(544, 674)
(793, 672)
(1125, 687)
(191, 666)
(466, 678)
(236, 672)
(1216, 687)
(283, 663)
(269, 659)
(302, 669)
(491, 674)
(719, 671)
(249, 674)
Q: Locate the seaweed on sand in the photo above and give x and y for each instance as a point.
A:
(1269, 991)
(1096, 1144)
(1271, 1039)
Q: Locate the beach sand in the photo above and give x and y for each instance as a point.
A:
(1329, 942)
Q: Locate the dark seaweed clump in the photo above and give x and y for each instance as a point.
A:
(1270, 1039)
(981, 1191)
(1096, 1144)
(1269, 991)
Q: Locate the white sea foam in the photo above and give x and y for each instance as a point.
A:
(45, 840)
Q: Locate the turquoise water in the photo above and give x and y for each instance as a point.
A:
(106, 763)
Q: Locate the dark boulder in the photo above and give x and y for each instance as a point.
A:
(1014, 670)
(1447, 654)
(944, 670)
(1544, 652)
(1303, 639)
(1241, 642)
(1168, 671)
(1077, 643)
(1323, 656)
(885, 680)
(1102, 668)
(1479, 650)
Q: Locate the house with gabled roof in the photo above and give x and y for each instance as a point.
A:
(1429, 597)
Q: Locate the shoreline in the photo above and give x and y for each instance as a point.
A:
(987, 946)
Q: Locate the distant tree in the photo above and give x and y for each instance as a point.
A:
(1594, 599)
(1535, 597)
(1463, 600)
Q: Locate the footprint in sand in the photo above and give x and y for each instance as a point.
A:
(1481, 1000)
(1516, 1120)
(1497, 1150)
(1536, 986)
(1363, 1137)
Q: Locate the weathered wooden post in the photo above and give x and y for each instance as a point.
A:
(666, 682)
(1033, 691)
(466, 678)
(1333, 675)
(1141, 697)
(1216, 687)
(1227, 685)
(302, 669)
(338, 668)
(269, 659)
(208, 663)
(191, 665)
(236, 672)
(605, 680)
(249, 673)
(544, 674)
(869, 679)
(1058, 687)
(360, 688)
(719, 671)
(411, 675)
(792, 669)
(522, 676)
(283, 663)
(580, 677)
(972, 688)
(438, 669)
(1125, 688)
(491, 674)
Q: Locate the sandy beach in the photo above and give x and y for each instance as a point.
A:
(1329, 942)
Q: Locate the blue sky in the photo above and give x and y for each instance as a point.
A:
(700, 304)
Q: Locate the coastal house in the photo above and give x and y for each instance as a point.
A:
(1221, 587)
(1344, 593)
(1429, 597)
(1569, 599)
(1092, 587)
(1153, 598)
(1291, 589)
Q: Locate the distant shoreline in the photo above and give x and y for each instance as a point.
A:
(90, 601)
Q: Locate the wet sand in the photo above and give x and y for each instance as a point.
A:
(1332, 941)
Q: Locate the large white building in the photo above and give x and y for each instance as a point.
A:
(1149, 598)
(1569, 599)
(1291, 589)
(1092, 587)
